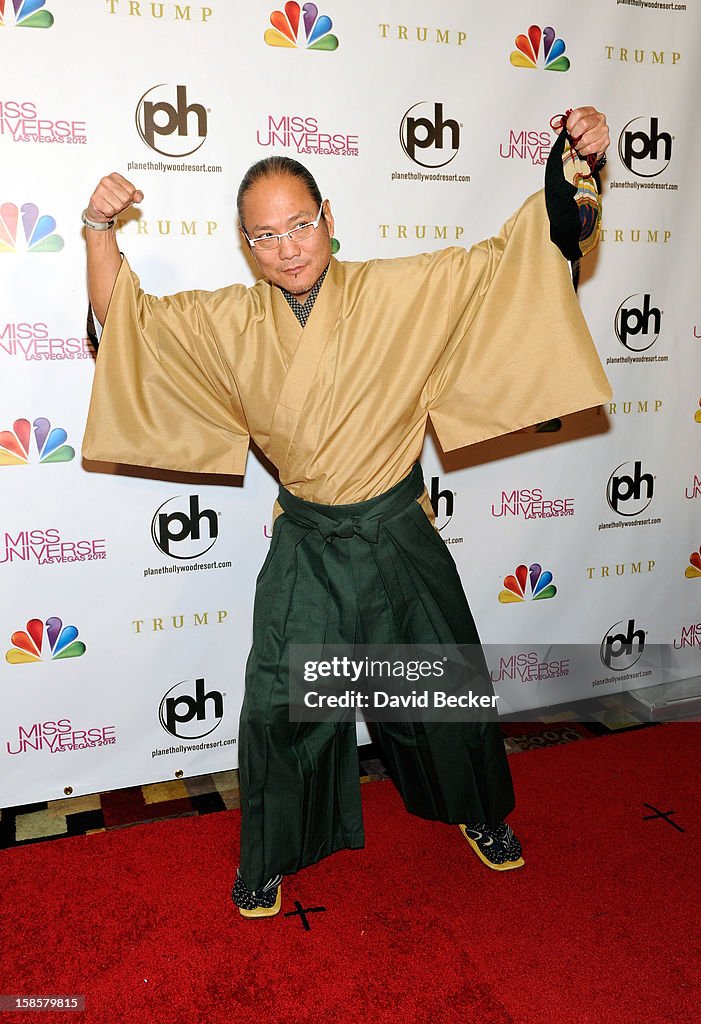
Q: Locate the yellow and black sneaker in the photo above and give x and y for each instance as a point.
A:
(264, 902)
(497, 847)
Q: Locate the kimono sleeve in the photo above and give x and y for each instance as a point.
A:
(518, 349)
(163, 395)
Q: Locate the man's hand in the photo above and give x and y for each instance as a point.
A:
(113, 195)
(588, 128)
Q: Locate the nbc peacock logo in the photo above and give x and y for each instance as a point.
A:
(38, 230)
(528, 583)
(44, 641)
(25, 14)
(16, 444)
(693, 569)
(301, 28)
(529, 52)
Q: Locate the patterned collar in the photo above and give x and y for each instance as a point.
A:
(302, 310)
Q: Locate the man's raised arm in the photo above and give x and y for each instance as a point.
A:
(113, 195)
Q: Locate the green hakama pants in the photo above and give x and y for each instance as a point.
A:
(374, 572)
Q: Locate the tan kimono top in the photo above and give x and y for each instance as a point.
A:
(484, 341)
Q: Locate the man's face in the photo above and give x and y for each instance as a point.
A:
(278, 204)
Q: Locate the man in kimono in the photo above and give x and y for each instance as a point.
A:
(333, 369)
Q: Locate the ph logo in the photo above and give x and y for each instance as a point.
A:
(630, 495)
(183, 125)
(442, 503)
(437, 139)
(645, 153)
(184, 535)
(620, 651)
(188, 717)
(631, 321)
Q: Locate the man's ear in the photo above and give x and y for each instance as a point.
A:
(328, 217)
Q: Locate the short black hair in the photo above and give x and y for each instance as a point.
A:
(269, 168)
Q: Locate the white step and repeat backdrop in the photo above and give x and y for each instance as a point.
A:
(126, 599)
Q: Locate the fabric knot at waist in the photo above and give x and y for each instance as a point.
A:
(361, 519)
(367, 529)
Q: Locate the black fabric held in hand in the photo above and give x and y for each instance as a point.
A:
(563, 212)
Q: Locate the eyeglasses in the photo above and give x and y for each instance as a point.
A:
(297, 234)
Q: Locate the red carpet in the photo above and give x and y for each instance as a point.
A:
(600, 926)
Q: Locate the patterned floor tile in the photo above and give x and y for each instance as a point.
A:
(231, 798)
(40, 825)
(76, 804)
(159, 792)
(201, 784)
(226, 781)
